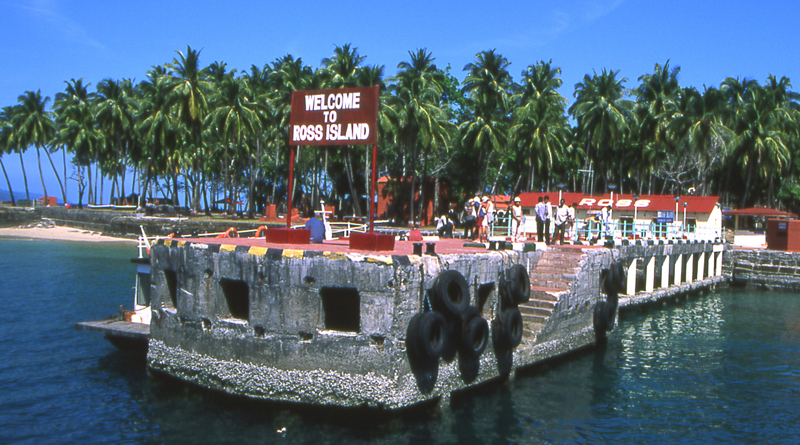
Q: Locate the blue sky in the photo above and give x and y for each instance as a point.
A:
(50, 41)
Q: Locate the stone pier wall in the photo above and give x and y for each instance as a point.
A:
(261, 322)
(330, 328)
(764, 268)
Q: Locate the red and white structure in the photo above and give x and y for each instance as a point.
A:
(640, 217)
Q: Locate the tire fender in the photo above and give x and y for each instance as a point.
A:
(450, 294)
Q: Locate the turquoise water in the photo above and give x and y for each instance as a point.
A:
(716, 368)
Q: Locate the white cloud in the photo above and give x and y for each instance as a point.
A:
(49, 13)
(596, 9)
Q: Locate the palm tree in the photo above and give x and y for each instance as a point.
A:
(421, 121)
(75, 125)
(602, 116)
(190, 89)
(700, 132)
(760, 125)
(488, 88)
(77, 129)
(115, 109)
(540, 125)
(6, 145)
(156, 126)
(342, 71)
(286, 75)
(33, 125)
(657, 100)
(236, 116)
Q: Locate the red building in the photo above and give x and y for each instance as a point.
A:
(393, 197)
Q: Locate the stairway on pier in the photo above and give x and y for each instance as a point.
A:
(550, 278)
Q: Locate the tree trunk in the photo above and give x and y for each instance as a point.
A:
(436, 184)
(747, 185)
(424, 217)
(348, 166)
(113, 189)
(24, 177)
(10, 191)
(413, 183)
(122, 185)
(66, 183)
(89, 175)
(41, 176)
(60, 184)
(275, 173)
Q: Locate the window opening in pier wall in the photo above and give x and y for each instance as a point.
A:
(483, 293)
(237, 296)
(172, 286)
(143, 291)
(341, 308)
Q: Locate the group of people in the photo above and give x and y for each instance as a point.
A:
(479, 215)
(557, 220)
(563, 220)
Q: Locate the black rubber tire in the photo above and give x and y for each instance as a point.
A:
(511, 327)
(599, 319)
(518, 284)
(412, 339)
(609, 315)
(431, 336)
(450, 294)
(475, 338)
(607, 277)
(619, 276)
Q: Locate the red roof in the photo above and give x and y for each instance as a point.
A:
(651, 203)
(760, 211)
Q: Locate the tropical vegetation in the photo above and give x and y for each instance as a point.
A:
(210, 136)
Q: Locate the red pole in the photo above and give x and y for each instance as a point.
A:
(289, 192)
(374, 191)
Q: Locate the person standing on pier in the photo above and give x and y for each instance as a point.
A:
(541, 214)
(605, 220)
(517, 219)
(572, 224)
(469, 220)
(562, 216)
(548, 217)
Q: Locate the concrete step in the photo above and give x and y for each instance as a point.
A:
(557, 262)
(552, 285)
(535, 311)
(531, 330)
(543, 293)
(545, 304)
(550, 276)
(555, 269)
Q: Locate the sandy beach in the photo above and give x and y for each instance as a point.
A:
(61, 233)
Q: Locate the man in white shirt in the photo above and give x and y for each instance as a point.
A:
(605, 220)
(548, 218)
(517, 219)
(562, 216)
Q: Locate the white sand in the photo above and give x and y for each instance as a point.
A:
(62, 233)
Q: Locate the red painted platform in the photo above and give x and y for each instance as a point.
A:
(442, 246)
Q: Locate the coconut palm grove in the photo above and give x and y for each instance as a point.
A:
(204, 134)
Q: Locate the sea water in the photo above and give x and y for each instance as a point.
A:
(719, 367)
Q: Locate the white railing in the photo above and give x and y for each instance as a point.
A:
(586, 230)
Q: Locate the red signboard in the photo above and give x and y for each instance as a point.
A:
(342, 116)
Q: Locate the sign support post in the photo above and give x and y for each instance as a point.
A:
(289, 192)
(339, 116)
(373, 191)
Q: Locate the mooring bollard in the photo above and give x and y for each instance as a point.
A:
(430, 248)
(418, 249)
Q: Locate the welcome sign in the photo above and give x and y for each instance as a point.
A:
(342, 116)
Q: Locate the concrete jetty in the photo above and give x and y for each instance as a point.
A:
(326, 325)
